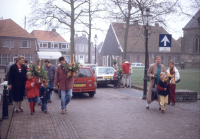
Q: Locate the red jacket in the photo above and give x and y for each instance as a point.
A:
(32, 92)
(125, 67)
(61, 79)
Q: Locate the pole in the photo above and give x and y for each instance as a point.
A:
(5, 103)
(145, 70)
(95, 53)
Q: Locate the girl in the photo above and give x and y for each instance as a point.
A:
(32, 91)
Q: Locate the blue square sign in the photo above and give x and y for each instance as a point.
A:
(165, 40)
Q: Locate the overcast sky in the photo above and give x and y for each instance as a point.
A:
(18, 9)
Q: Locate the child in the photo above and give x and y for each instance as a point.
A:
(163, 91)
(32, 87)
(115, 77)
(45, 91)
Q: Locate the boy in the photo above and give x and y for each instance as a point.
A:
(163, 92)
(32, 87)
(115, 77)
(45, 91)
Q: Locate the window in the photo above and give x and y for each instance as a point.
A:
(197, 45)
(25, 44)
(162, 59)
(64, 46)
(86, 58)
(169, 58)
(86, 48)
(105, 71)
(56, 45)
(81, 56)
(104, 60)
(28, 57)
(117, 59)
(84, 73)
(128, 58)
(178, 59)
(8, 43)
(138, 58)
(4, 59)
(81, 48)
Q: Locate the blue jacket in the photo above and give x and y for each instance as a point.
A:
(45, 92)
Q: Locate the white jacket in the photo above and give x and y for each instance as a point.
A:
(177, 75)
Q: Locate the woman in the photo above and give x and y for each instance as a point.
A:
(172, 86)
(16, 81)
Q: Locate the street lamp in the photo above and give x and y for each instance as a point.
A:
(95, 42)
(146, 20)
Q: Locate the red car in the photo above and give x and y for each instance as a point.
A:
(85, 82)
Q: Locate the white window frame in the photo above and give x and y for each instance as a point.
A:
(139, 59)
(7, 58)
(81, 48)
(55, 44)
(104, 62)
(11, 43)
(67, 47)
(41, 43)
(21, 44)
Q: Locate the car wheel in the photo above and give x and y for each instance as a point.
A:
(91, 94)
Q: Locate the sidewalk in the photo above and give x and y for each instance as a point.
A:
(53, 125)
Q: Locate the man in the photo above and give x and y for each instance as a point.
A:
(51, 74)
(172, 86)
(154, 75)
(65, 84)
(126, 75)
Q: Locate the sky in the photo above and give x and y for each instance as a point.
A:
(18, 9)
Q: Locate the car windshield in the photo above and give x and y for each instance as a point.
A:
(106, 70)
(84, 73)
(10, 64)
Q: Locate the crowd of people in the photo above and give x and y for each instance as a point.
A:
(22, 84)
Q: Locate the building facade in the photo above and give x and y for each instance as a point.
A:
(113, 45)
(81, 50)
(15, 41)
(190, 43)
(51, 46)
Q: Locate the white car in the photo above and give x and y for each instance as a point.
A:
(137, 65)
(104, 75)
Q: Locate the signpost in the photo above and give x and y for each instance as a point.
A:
(165, 42)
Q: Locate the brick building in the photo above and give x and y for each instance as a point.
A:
(18, 40)
(113, 45)
(190, 43)
(51, 46)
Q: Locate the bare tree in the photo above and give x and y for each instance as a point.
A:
(129, 11)
(57, 13)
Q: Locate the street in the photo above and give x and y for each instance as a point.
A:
(111, 113)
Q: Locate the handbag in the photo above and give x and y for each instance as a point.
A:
(154, 94)
(178, 81)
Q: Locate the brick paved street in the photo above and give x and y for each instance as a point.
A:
(112, 113)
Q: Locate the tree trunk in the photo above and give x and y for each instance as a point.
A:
(127, 29)
(89, 36)
(72, 29)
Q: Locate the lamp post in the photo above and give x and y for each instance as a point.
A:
(95, 42)
(146, 20)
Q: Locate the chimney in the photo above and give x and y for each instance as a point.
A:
(54, 31)
(156, 24)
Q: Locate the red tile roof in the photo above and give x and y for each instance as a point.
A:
(47, 36)
(9, 28)
(136, 40)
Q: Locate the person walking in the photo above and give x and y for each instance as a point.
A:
(154, 75)
(126, 75)
(172, 70)
(16, 81)
(65, 84)
(51, 74)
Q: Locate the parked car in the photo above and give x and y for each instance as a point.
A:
(84, 82)
(137, 65)
(104, 75)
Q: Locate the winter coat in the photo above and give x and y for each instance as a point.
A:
(161, 87)
(32, 92)
(153, 71)
(51, 72)
(45, 92)
(17, 80)
(125, 67)
(61, 79)
(177, 75)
